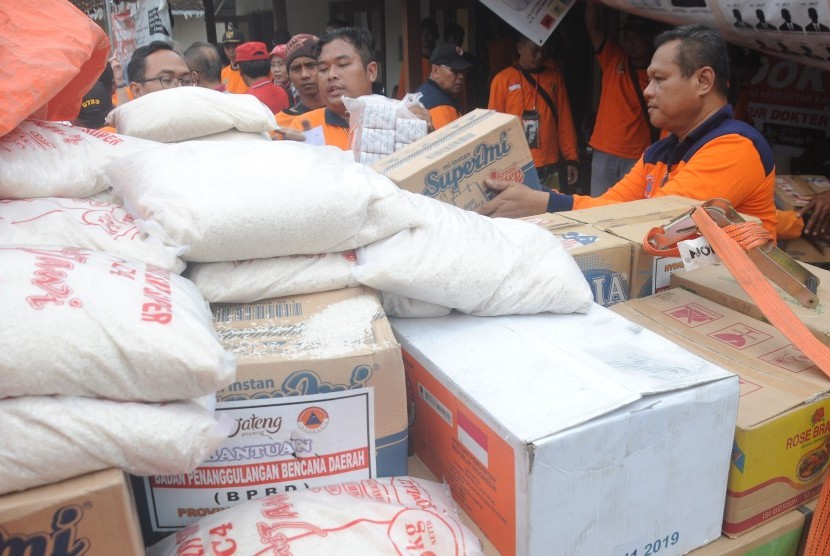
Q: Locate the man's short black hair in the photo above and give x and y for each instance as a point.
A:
(204, 58)
(255, 68)
(361, 39)
(136, 67)
(700, 46)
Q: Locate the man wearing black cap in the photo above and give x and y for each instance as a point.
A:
(446, 81)
(231, 78)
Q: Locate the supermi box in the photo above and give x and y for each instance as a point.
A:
(572, 434)
(90, 514)
(450, 164)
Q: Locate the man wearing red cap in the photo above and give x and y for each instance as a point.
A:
(254, 63)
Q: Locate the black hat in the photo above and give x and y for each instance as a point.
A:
(451, 56)
(232, 36)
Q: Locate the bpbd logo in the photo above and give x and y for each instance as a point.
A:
(608, 287)
(60, 540)
(483, 155)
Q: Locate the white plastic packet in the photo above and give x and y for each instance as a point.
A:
(379, 125)
(84, 223)
(397, 515)
(50, 438)
(256, 279)
(88, 323)
(50, 159)
(230, 201)
(183, 113)
(478, 265)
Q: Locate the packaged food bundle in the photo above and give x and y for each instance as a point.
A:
(184, 113)
(397, 515)
(85, 223)
(87, 323)
(50, 159)
(287, 198)
(50, 438)
(381, 126)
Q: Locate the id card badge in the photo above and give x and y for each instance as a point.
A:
(530, 122)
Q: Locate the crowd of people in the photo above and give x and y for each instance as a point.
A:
(664, 123)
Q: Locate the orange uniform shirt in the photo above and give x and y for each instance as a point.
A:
(232, 80)
(620, 128)
(511, 93)
(335, 128)
(722, 158)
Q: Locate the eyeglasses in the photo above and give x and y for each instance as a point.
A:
(168, 81)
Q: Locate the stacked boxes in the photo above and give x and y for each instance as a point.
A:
(319, 398)
(549, 438)
(781, 450)
(603, 258)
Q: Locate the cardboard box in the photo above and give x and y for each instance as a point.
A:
(806, 251)
(779, 537)
(90, 514)
(717, 283)
(604, 259)
(793, 192)
(607, 217)
(550, 438)
(450, 164)
(782, 439)
(319, 398)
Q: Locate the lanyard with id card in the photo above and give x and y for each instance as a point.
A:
(530, 122)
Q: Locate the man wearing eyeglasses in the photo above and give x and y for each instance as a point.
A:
(446, 81)
(157, 66)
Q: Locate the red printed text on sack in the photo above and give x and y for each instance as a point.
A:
(157, 306)
(52, 268)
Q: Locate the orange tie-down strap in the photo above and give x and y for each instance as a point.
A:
(779, 315)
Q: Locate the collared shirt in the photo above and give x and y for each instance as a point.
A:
(270, 94)
(443, 108)
(232, 80)
(335, 128)
(722, 157)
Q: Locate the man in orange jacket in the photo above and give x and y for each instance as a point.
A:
(535, 92)
(707, 153)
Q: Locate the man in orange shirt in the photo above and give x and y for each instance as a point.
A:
(446, 81)
(346, 66)
(231, 78)
(302, 71)
(622, 130)
(707, 153)
(536, 93)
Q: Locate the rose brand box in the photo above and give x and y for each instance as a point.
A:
(781, 448)
(555, 442)
(603, 258)
(779, 537)
(90, 514)
(717, 284)
(319, 398)
(450, 164)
